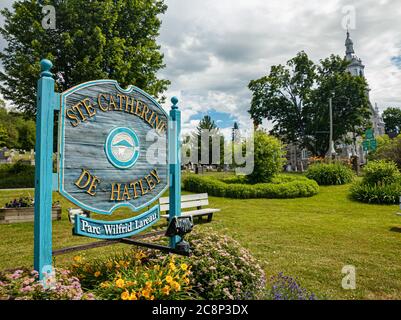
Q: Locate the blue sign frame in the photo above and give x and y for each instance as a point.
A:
(49, 101)
(104, 229)
(62, 190)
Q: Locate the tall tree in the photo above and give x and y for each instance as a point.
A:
(392, 120)
(207, 127)
(113, 39)
(296, 99)
(350, 106)
(282, 96)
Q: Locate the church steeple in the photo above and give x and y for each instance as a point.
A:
(349, 45)
(355, 66)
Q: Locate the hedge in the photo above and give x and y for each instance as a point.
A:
(281, 187)
(330, 173)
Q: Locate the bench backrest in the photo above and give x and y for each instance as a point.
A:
(187, 201)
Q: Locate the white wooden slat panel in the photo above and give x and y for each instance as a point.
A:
(188, 204)
(185, 198)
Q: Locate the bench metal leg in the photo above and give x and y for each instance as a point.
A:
(209, 217)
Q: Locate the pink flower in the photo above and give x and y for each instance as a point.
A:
(26, 289)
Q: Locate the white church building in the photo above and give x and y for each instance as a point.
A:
(357, 68)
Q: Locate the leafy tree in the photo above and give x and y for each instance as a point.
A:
(388, 149)
(268, 157)
(113, 39)
(392, 120)
(3, 136)
(27, 135)
(282, 96)
(350, 106)
(296, 98)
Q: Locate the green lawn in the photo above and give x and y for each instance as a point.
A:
(311, 239)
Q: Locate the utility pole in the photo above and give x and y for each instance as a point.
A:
(332, 151)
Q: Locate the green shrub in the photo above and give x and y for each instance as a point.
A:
(223, 269)
(17, 175)
(381, 173)
(381, 184)
(280, 187)
(268, 158)
(380, 194)
(330, 173)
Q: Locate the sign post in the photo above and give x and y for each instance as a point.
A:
(117, 148)
(370, 142)
(43, 170)
(175, 166)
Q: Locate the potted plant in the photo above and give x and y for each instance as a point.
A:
(22, 210)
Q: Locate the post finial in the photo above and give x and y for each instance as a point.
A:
(174, 101)
(45, 66)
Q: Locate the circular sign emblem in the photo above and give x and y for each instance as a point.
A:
(122, 147)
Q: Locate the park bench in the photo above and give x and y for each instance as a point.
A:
(190, 201)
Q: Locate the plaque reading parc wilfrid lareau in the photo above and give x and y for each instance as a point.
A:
(112, 150)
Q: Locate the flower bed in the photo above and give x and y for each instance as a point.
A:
(23, 284)
(281, 186)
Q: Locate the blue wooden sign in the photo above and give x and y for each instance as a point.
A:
(113, 147)
(117, 148)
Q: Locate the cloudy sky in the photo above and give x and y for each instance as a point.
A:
(214, 48)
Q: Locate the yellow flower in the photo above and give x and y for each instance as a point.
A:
(146, 293)
(172, 266)
(169, 279)
(166, 290)
(152, 297)
(146, 275)
(125, 295)
(176, 286)
(133, 296)
(120, 283)
(78, 259)
(186, 280)
(109, 265)
(148, 284)
(97, 274)
(131, 283)
(184, 266)
(139, 255)
(105, 284)
(156, 267)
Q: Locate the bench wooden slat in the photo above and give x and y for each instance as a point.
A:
(194, 212)
(188, 204)
(185, 198)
